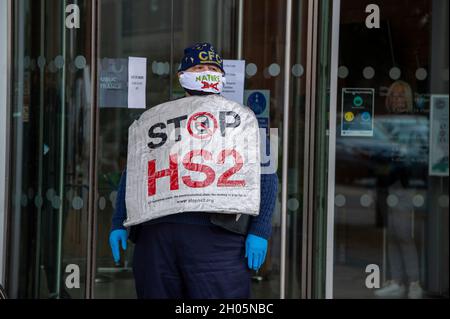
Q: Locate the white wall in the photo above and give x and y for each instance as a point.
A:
(3, 129)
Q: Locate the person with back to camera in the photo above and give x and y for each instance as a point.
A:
(196, 254)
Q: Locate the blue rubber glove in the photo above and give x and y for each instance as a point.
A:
(117, 236)
(255, 251)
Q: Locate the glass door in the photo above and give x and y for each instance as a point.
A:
(391, 192)
(50, 150)
(264, 45)
(159, 31)
(137, 29)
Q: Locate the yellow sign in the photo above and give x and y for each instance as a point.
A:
(349, 116)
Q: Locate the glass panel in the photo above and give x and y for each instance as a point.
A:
(392, 152)
(129, 34)
(263, 49)
(203, 21)
(314, 131)
(321, 156)
(296, 149)
(49, 150)
(138, 28)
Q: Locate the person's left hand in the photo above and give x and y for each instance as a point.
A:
(255, 251)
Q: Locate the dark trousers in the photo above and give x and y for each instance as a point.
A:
(190, 261)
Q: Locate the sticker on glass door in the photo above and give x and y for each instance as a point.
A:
(357, 112)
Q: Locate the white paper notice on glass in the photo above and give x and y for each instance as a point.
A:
(234, 87)
(137, 82)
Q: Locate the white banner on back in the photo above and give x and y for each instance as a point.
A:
(199, 153)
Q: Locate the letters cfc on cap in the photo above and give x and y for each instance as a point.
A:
(200, 53)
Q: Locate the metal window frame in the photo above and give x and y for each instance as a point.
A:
(94, 137)
(284, 184)
(12, 209)
(332, 149)
(240, 37)
(309, 168)
(310, 144)
(309, 152)
(5, 108)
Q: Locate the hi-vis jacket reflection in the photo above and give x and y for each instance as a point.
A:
(199, 153)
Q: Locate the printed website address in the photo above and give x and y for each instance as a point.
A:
(200, 200)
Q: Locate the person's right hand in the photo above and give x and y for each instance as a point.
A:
(117, 236)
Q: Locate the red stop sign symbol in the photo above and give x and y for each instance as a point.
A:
(202, 125)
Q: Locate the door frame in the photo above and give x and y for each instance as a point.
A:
(329, 268)
(93, 157)
(5, 102)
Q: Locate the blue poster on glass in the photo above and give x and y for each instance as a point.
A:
(259, 102)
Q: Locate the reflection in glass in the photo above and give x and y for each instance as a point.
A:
(408, 163)
(405, 231)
